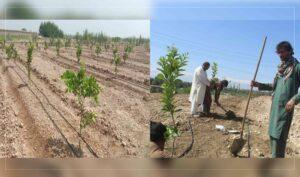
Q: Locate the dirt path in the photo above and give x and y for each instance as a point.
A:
(209, 142)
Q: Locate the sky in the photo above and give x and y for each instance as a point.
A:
(98, 9)
(230, 35)
(121, 28)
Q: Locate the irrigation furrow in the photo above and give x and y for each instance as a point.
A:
(59, 92)
(48, 106)
(109, 75)
(106, 71)
(139, 88)
(138, 60)
(136, 66)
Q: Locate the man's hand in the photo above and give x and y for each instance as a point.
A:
(290, 105)
(254, 84)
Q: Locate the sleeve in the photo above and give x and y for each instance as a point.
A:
(203, 78)
(266, 87)
(296, 98)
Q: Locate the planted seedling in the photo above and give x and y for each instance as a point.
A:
(68, 42)
(214, 73)
(78, 52)
(106, 46)
(82, 86)
(46, 45)
(116, 59)
(127, 51)
(2, 45)
(125, 56)
(29, 58)
(37, 45)
(57, 46)
(52, 41)
(171, 68)
(98, 49)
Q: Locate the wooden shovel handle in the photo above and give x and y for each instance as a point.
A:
(251, 89)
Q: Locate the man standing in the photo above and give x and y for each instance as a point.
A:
(198, 88)
(285, 97)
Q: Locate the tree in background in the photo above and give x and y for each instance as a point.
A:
(57, 46)
(116, 60)
(46, 45)
(78, 52)
(214, 73)
(29, 58)
(98, 49)
(49, 29)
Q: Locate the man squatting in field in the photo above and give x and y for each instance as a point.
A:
(284, 98)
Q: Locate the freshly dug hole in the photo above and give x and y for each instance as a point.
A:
(230, 114)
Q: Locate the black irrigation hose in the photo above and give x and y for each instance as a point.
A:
(49, 116)
(189, 148)
(88, 146)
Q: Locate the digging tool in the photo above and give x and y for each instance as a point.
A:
(239, 143)
(229, 113)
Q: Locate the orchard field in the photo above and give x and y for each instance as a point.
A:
(42, 116)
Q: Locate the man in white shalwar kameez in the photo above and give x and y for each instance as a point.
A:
(200, 82)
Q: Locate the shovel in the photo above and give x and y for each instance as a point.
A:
(230, 114)
(239, 143)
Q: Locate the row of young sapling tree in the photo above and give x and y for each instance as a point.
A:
(81, 85)
(98, 49)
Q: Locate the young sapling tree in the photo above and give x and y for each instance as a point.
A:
(68, 42)
(125, 56)
(46, 46)
(116, 59)
(78, 52)
(214, 73)
(82, 86)
(98, 49)
(58, 46)
(29, 58)
(171, 68)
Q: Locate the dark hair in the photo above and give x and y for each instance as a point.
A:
(206, 63)
(224, 82)
(157, 130)
(286, 46)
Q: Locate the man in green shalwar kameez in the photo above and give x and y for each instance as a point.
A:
(284, 98)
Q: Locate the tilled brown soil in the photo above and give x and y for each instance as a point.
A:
(41, 120)
(211, 143)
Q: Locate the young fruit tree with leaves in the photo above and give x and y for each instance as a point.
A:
(116, 59)
(46, 46)
(98, 49)
(58, 46)
(78, 52)
(29, 58)
(11, 52)
(82, 86)
(171, 68)
(214, 73)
